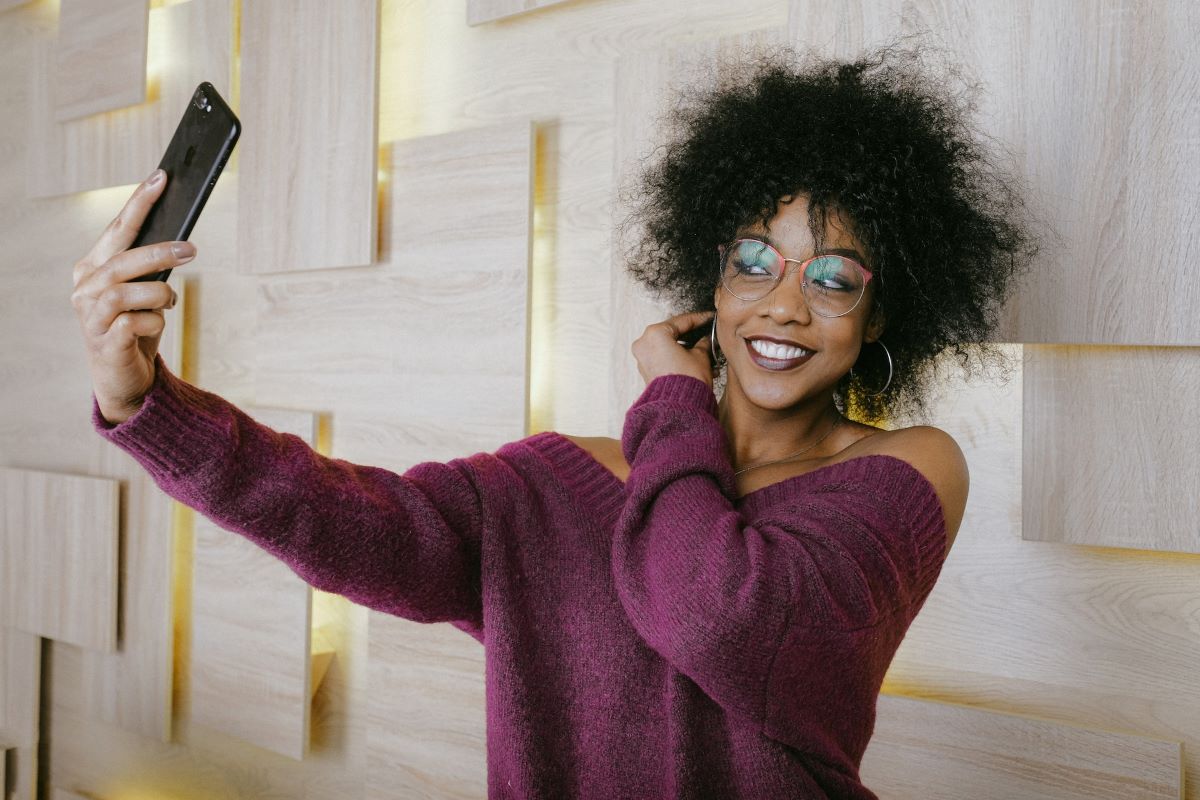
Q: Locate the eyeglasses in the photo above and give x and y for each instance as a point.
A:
(833, 285)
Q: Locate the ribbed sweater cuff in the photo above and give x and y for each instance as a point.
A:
(177, 428)
(685, 390)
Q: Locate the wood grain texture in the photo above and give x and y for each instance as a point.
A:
(1089, 636)
(20, 686)
(100, 56)
(427, 723)
(188, 43)
(308, 146)
(131, 688)
(58, 556)
(251, 630)
(1135, 484)
(924, 750)
(424, 356)
(1101, 124)
(481, 11)
(645, 83)
(20, 709)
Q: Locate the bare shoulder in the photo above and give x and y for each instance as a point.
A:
(605, 450)
(936, 455)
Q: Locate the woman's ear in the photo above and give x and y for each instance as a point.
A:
(875, 325)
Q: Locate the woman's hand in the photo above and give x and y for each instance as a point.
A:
(658, 353)
(122, 322)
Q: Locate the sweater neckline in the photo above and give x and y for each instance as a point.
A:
(604, 491)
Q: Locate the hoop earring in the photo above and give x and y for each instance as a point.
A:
(890, 371)
(712, 339)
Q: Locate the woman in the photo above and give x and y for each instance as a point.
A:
(706, 608)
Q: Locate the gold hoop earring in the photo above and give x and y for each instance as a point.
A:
(890, 370)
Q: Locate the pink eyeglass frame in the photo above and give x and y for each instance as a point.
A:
(803, 263)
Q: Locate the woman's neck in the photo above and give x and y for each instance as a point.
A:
(758, 435)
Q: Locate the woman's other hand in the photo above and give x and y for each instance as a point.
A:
(659, 353)
(122, 321)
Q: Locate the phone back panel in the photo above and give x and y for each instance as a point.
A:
(193, 161)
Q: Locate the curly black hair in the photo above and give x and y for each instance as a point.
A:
(881, 141)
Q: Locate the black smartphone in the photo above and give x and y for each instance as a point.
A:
(202, 144)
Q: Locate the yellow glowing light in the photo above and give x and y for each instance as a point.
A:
(540, 355)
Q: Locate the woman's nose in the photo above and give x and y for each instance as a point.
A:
(786, 302)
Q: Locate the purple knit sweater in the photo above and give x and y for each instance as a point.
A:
(661, 638)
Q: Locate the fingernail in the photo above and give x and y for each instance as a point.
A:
(183, 250)
(155, 177)
(174, 299)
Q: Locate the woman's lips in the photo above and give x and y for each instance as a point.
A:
(776, 364)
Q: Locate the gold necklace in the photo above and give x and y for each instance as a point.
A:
(837, 422)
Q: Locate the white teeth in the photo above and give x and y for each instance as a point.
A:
(774, 350)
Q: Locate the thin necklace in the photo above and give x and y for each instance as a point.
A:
(837, 422)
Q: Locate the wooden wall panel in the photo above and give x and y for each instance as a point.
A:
(481, 11)
(438, 365)
(188, 43)
(427, 722)
(5, 5)
(131, 688)
(923, 750)
(58, 556)
(1110, 447)
(251, 630)
(308, 146)
(645, 82)
(100, 56)
(20, 686)
(1101, 135)
(20, 707)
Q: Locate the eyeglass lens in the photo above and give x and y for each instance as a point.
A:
(832, 284)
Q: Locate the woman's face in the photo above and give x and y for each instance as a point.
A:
(784, 317)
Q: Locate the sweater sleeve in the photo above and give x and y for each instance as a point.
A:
(821, 584)
(408, 545)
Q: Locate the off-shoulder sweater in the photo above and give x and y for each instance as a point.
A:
(658, 638)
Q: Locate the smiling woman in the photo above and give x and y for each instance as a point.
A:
(707, 607)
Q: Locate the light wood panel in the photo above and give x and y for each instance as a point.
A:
(5, 5)
(188, 43)
(251, 630)
(436, 368)
(100, 56)
(20, 686)
(924, 750)
(427, 721)
(20, 695)
(131, 688)
(645, 84)
(308, 144)
(58, 556)
(481, 11)
(1094, 637)
(1109, 447)
(63, 794)
(1103, 137)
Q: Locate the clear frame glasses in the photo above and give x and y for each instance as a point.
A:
(833, 285)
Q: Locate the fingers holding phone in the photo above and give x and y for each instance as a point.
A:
(121, 320)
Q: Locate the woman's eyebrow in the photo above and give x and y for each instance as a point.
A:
(828, 251)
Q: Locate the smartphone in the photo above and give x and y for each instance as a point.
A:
(202, 144)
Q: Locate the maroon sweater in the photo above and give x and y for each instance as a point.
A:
(661, 638)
